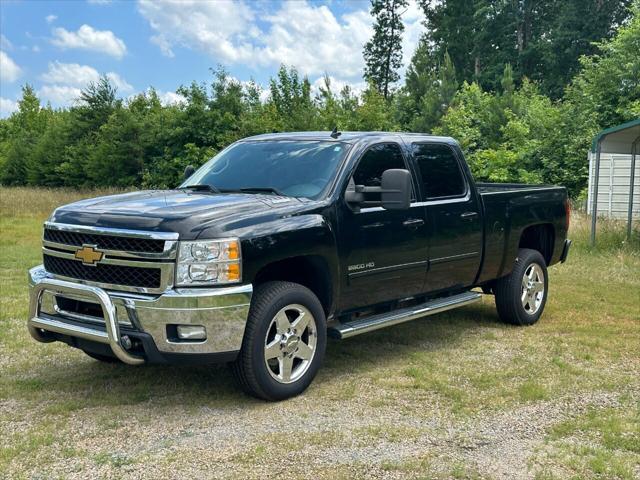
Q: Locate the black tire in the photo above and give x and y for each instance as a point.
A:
(102, 358)
(509, 290)
(250, 368)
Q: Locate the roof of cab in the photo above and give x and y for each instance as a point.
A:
(350, 137)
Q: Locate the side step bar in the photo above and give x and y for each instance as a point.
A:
(356, 327)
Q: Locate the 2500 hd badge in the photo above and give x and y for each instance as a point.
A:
(282, 240)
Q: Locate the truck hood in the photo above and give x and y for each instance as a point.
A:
(187, 213)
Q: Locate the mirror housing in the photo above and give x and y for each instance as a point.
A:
(395, 192)
(188, 171)
(396, 189)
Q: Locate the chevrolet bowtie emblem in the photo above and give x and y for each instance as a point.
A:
(89, 255)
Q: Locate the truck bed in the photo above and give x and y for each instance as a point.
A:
(508, 209)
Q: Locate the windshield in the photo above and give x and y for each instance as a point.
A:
(295, 168)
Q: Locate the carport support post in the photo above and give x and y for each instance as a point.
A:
(594, 202)
(634, 152)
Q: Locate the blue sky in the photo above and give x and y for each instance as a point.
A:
(60, 46)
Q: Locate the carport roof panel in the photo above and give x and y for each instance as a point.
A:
(618, 139)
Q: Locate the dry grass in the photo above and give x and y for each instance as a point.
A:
(458, 395)
(39, 202)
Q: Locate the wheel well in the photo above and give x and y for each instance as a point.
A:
(310, 271)
(539, 237)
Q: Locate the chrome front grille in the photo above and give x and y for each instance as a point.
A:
(132, 260)
(103, 273)
(104, 242)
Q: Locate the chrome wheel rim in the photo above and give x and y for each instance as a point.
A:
(532, 292)
(290, 343)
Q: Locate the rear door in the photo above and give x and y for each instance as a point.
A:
(383, 252)
(454, 223)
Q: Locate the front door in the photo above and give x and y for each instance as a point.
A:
(453, 218)
(383, 252)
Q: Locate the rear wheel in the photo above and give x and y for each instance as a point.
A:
(284, 341)
(521, 296)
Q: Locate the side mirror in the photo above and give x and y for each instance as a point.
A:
(190, 170)
(396, 189)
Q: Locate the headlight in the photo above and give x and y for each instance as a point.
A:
(208, 262)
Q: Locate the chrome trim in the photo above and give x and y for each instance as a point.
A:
(453, 258)
(375, 322)
(118, 232)
(389, 268)
(57, 326)
(166, 273)
(427, 203)
(78, 316)
(111, 336)
(169, 253)
(223, 311)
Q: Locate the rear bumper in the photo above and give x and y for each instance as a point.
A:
(147, 320)
(565, 251)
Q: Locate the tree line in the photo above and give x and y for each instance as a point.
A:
(523, 85)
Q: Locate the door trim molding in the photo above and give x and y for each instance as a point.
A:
(453, 258)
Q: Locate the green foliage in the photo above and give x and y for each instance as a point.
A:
(383, 53)
(508, 125)
(428, 92)
(542, 39)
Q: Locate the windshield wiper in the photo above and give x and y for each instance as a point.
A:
(271, 190)
(203, 187)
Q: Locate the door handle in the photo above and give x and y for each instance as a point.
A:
(413, 223)
(374, 225)
(468, 215)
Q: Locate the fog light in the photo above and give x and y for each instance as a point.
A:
(126, 342)
(191, 332)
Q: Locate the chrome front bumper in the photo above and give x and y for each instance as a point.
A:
(222, 311)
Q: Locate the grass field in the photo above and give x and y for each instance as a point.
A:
(458, 395)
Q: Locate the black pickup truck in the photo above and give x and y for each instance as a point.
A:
(284, 239)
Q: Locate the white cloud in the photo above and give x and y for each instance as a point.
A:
(170, 98)
(163, 43)
(59, 95)
(76, 75)
(120, 83)
(300, 33)
(5, 44)
(7, 107)
(70, 74)
(9, 71)
(413, 30)
(51, 18)
(218, 28)
(64, 82)
(87, 38)
(337, 85)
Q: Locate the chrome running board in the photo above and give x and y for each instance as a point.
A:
(374, 322)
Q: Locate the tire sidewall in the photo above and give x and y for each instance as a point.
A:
(296, 294)
(524, 260)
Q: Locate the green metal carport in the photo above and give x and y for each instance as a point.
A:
(623, 140)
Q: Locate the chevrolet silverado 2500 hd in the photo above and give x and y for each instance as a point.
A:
(283, 239)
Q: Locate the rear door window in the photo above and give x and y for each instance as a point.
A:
(440, 171)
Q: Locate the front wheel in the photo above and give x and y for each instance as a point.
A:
(284, 341)
(521, 295)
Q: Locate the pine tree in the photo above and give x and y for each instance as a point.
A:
(383, 53)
